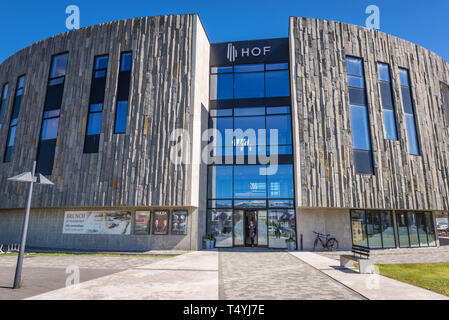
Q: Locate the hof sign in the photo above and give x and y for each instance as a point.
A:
(243, 52)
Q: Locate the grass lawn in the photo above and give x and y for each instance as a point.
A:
(432, 276)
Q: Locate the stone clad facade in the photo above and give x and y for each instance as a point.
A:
(401, 180)
(170, 90)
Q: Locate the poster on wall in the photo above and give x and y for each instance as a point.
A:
(357, 234)
(142, 223)
(160, 222)
(179, 222)
(97, 222)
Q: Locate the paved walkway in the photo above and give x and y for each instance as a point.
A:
(190, 276)
(47, 273)
(244, 274)
(251, 274)
(371, 286)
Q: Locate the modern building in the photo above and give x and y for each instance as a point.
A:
(336, 129)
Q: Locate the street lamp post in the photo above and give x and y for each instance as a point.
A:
(26, 177)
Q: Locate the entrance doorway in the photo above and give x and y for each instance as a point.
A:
(241, 230)
(250, 215)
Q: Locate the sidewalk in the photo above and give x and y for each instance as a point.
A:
(371, 286)
(186, 277)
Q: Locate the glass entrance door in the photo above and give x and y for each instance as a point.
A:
(250, 216)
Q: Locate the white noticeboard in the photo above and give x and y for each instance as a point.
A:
(97, 222)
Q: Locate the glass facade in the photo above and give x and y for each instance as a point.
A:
(241, 185)
(250, 81)
(412, 135)
(415, 229)
(373, 229)
(361, 140)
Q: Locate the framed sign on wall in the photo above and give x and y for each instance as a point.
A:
(179, 222)
(160, 222)
(142, 223)
(97, 222)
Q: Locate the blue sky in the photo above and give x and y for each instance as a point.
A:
(423, 22)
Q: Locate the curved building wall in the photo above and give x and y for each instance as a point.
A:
(324, 153)
(131, 169)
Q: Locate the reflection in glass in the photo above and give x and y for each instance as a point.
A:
(373, 229)
(59, 65)
(281, 226)
(262, 230)
(250, 204)
(390, 124)
(249, 85)
(412, 229)
(421, 223)
(249, 183)
(238, 227)
(430, 228)
(220, 182)
(388, 230)
(282, 124)
(220, 225)
(401, 220)
(411, 134)
(359, 125)
(280, 185)
(94, 123)
(221, 86)
(50, 129)
(221, 204)
(121, 116)
(277, 83)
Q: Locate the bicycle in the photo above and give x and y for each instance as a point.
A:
(330, 244)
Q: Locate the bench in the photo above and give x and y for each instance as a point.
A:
(361, 256)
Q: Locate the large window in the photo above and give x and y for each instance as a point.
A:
(274, 121)
(373, 229)
(93, 130)
(3, 102)
(121, 112)
(250, 81)
(246, 182)
(281, 226)
(14, 119)
(361, 140)
(388, 109)
(415, 229)
(50, 121)
(412, 135)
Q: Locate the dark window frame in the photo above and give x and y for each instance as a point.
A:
(8, 153)
(86, 148)
(367, 106)
(43, 118)
(118, 90)
(411, 93)
(393, 100)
